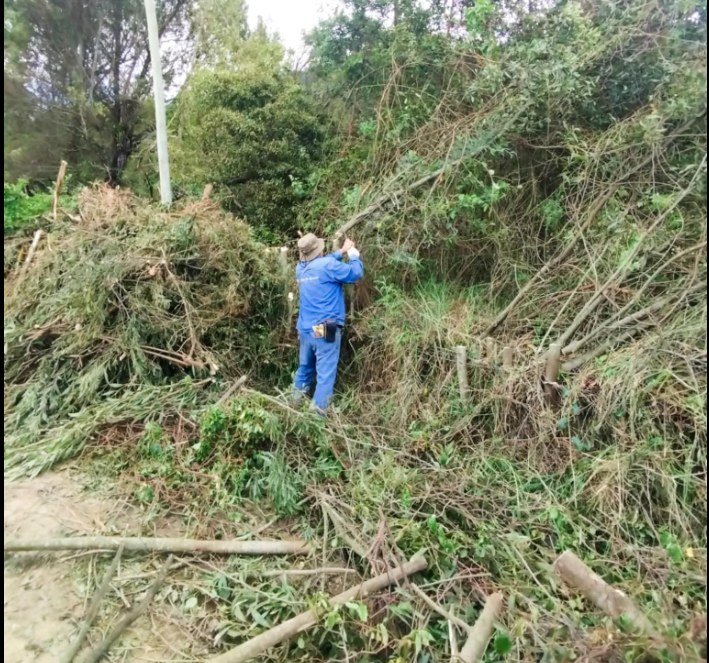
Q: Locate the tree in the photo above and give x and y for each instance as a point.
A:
(81, 69)
(221, 29)
(251, 130)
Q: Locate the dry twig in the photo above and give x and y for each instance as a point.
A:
(131, 617)
(92, 612)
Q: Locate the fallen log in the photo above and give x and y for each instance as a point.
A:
(131, 617)
(175, 546)
(280, 634)
(305, 573)
(613, 602)
(482, 632)
(92, 612)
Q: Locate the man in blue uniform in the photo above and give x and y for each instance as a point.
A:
(322, 315)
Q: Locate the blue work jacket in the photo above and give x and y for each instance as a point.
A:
(322, 295)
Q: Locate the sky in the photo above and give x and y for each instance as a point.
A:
(290, 18)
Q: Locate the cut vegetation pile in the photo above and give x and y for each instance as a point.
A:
(525, 373)
(126, 315)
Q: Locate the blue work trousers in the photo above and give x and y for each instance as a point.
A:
(318, 362)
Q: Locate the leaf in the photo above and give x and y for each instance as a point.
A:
(333, 619)
(422, 638)
(580, 444)
(359, 610)
(503, 643)
(383, 635)
(402, 610)
(676, 553)
(238, 613)
(259, 618)
(191, 603)
(223, 590)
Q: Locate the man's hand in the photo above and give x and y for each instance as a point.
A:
(349, 244)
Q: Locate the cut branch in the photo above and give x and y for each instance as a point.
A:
(306, 573)
(482, 632)
(175, 546)
(578, 362)
(284, 632)
(233, 390)
(554, 262)
(636, 318)
(92, 612)
(551, 375)
(389, 197)
(131, 617)
(463, 381)
(612, 601)
(590, 218)
(620, 273)
(352, 542)
(30, 256)
(573, 347)
(439, 609)
(58, 189)
(178, 360)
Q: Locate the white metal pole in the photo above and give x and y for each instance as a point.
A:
(159, 87)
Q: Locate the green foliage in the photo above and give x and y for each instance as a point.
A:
(536, 122)
(253, 132)
(146, 301)
(77, 83)
(22, 209)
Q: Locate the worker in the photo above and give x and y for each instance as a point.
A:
(322, 316)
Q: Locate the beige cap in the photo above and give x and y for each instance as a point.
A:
(310, 247)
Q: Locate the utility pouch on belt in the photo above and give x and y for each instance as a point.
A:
(331, 328)
(327, 330)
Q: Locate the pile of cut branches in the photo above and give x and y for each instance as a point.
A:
(118, 313)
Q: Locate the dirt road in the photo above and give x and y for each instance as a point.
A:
(45, 596)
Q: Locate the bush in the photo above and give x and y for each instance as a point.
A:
(20, 208)
(252, 133)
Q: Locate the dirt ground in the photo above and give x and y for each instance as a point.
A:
(45, 595)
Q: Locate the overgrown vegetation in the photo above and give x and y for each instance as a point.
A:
(22, 208)
(535, 175)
